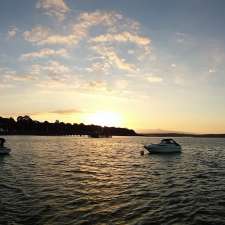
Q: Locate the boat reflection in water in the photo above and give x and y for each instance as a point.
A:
(3, 150)
(98, 135)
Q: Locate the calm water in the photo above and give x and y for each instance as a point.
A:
(67, 180)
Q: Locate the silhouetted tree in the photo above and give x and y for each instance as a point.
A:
(24, 125)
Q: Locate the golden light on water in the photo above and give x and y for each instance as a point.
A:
(104, 118)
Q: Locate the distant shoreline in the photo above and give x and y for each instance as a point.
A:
(174, 135)
(134, 135)
(182, 135)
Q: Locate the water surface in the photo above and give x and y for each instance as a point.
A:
(68, 180)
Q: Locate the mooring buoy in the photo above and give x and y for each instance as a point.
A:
(142, 152)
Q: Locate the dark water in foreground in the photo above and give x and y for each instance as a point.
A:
(67, 180)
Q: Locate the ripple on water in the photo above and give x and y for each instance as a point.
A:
(67, 180)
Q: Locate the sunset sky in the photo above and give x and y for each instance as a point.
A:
(142, 64)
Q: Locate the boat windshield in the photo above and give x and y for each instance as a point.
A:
(169, 141)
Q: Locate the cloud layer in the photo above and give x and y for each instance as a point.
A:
(96, 50)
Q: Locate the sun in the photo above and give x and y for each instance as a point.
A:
(104, 119)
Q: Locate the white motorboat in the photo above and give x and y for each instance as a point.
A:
(4, 151)
(165, 146)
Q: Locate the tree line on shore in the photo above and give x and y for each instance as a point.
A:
(24, 125)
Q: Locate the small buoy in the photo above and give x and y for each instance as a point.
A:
(142, 152)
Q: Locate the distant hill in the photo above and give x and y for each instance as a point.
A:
(158, 131)
(24, 125)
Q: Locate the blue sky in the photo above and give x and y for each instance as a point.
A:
(67, 60)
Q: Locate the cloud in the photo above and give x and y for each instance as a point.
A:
(87, 20)
(57, 76)
(121, 84)
(12, 32)
(56, 71)
(46, 52)
(173, 65)
(56, 8)
(6, 70)
(5, 86)
(180, 37)
(35, 69)
(126, 37)
(50, 74)
(40, 35)
(37, 34)
(54, 75)
(59, 111)
(66, 111)
(10, 78)
(116, 28)
(96, 83)
(123, 37)
(19, 77)
(5, 79)
(99, 67)
(60, 40)
(154, 79)
(111, 58)
(9, 75)
(212, 70)
(111, 41)
(110, 21)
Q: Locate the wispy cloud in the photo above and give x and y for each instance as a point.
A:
(5, 86)
(66, 111)
(212, 70)
(56, 71)
(56, 8)
(99, 67)
(40, 35)
(98, 85)
(84, 22)
(46, 52)
(60, 40)
(154, 79)
(19, 77)
(87, 20)
(141, 48)
(5, 73)
(37, 34)
(112, 59)
(123, 37)
(112, 42)
(9, 76)
(52, 73)
(12, 32)
(57, 111)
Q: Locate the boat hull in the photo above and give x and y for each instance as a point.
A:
(163, 149)
(4, 151)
